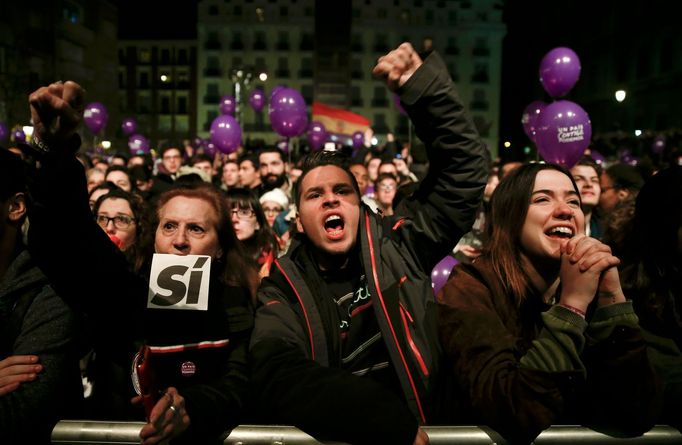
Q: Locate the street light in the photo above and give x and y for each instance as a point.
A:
(620, 95)
(241, 76)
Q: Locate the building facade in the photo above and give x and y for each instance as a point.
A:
(289, 41)
(157, 82)
(60, 40)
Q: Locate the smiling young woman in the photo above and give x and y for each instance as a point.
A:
(537, 329)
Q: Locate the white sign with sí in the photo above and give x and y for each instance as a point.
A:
(179, 282)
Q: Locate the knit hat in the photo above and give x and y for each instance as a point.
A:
(276, 195)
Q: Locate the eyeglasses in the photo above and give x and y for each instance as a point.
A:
(271, 210)
(121, 222)
(171, 157)
(243, 213)
(387, 187)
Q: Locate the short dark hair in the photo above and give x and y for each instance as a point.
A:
(322, 158)
(118, 168)
(171, 146)
(588, 161)
(201, 157)
(625, 177)
(249, 157)
(122, 155)
(139, 173)
(271, 149)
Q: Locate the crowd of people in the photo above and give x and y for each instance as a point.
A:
(565, 307)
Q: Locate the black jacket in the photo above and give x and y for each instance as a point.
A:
(294, 348)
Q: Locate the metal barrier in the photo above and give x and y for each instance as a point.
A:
(83, 432)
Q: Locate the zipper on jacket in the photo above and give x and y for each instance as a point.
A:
(405, 315)
(380, 296)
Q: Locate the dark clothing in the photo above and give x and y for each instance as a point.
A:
(98, 282)
(656, 302)
(595, 227)
(46, 327)
(520, 370)
(297, 349)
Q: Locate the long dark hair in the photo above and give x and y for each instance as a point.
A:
(652, 274)
(508, 209)
(137, 254)
(235, 270)
(263, 239)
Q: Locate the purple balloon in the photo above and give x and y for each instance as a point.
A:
(4, 131)
(19, 135)
(276, 91)
(657, 146)
(129, 126)
(210, 149)
(629, 159)
(559, 71)
(257, 100)
(598, 157)
(138, 144)
(95, 117)
(358, 139)
(288, 115)
(227, 105)
(398, 105)
(226, 133)
(563, 133)
(317, 135)
(441, 273)
(197, 142)
(530, 116)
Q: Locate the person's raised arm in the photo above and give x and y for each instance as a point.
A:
(444, 206)
(62, 223)
(56, 112)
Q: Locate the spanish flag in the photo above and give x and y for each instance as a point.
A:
(337, 120)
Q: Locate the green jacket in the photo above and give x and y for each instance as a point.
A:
(520, 370)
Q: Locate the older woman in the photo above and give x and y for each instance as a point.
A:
(190, 403)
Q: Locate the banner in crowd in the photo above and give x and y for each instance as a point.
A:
(337, 120)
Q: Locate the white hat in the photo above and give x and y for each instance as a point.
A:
(276, 195)
(187, 170)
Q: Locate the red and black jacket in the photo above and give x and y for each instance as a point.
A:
(293, 364)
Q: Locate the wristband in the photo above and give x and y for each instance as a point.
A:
(39, 145)
(573, 309)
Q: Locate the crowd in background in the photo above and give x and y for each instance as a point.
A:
(590, 332)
